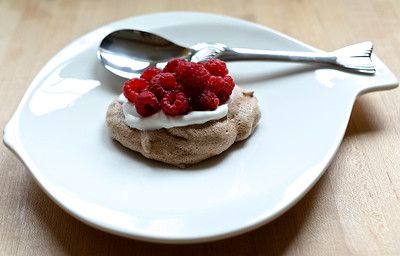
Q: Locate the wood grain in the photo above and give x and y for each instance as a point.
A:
(354, 208)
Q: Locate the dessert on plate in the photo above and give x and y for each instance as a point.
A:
(183, 114)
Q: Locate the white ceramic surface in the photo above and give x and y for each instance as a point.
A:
(59, 132)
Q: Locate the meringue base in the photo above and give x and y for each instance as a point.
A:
(187, 145)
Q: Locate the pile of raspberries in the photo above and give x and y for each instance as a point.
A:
(181, 87)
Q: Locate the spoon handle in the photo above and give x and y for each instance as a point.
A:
(238, 54)
(356, 58)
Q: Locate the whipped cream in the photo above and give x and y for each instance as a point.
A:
(160, 120)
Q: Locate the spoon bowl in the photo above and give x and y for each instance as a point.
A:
(127, 53)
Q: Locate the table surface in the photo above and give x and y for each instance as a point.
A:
(354, 209)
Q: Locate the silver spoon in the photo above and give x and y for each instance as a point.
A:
(127, 53)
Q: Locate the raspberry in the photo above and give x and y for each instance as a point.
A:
(229, 79)
(147, 104)
(223, 97)
(150, 72)
(207, 100)
(175, 103)
(172, 65)
(222, 87)
(166, 80)
(193, 77)
(163, 83)
(158, 91)
(216, 67)
(133, 87)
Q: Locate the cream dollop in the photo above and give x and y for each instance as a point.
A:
(160, 120)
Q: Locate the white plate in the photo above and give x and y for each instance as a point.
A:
(59, 132)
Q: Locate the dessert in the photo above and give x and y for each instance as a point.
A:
(183, 114)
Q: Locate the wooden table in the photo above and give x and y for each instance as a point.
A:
(353, 210)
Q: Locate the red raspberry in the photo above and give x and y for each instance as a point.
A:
(175, 103)
(133, 87)
(193, 77)
(222, 87)
(229, 79)
(147, 104)
(207, 100)
(172, 65)
(150, 72)
(166, 80)
(216, 67)
(158, 91)
(163, 83)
